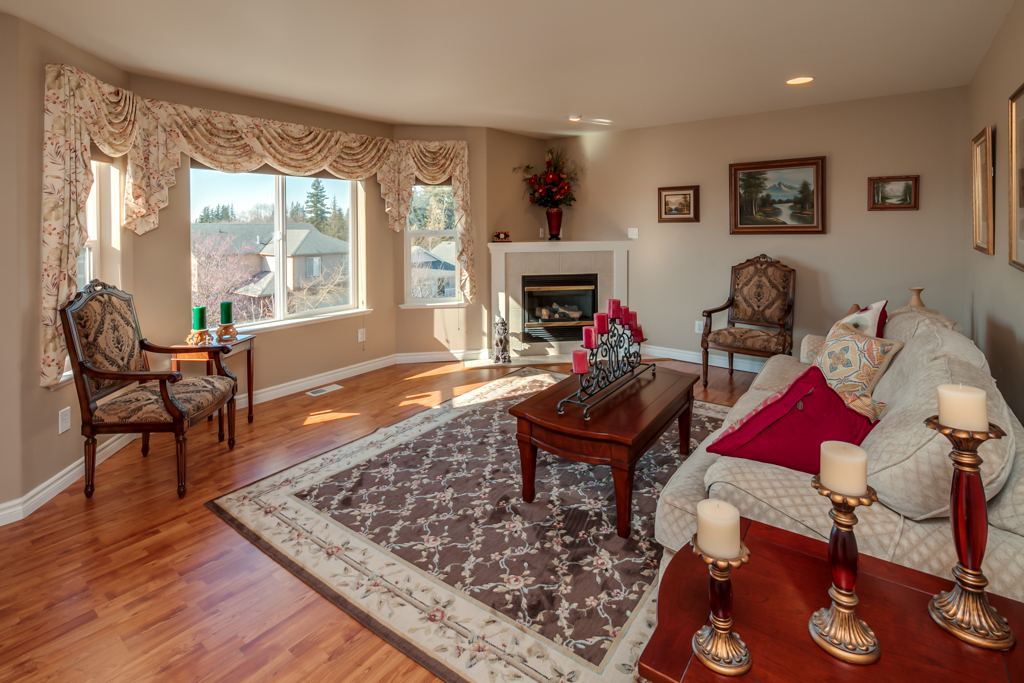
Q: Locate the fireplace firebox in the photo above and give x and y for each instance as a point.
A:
(558, 307)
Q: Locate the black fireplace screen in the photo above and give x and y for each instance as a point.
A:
(558, 307)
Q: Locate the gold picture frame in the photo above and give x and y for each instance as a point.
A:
(1016, 178)
(982, 191)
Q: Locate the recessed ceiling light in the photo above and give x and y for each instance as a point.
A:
(799, 81)
(575, 119)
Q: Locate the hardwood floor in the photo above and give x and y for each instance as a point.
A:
(137, 585)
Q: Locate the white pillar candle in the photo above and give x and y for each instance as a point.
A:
(844, 468)
(718, 529)
(963, 407)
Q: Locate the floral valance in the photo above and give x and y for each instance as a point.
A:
(80, 109)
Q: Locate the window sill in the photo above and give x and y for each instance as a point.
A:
(273, 325)
(443, 304)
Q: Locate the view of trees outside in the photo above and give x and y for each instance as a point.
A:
(232, 244)
(433, 242)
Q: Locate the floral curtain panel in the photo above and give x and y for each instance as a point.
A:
(80, 109)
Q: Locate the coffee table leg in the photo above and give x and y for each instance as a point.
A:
(528, 457)
(685, 423)
(623, 499)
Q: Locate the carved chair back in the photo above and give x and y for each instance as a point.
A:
(762, 291)
(102, 329)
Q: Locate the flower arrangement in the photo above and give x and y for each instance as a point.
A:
(552, 187)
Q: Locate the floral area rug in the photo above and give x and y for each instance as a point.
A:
(420, 532)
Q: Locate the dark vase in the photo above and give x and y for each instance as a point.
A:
(554, 215)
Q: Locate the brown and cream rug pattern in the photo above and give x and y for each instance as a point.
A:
(420, 532)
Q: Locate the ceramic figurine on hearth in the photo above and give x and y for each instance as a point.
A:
(501, 340)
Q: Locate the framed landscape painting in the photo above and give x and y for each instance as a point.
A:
(1016, 180)
(982, 189)
(785, 197)
(893, 193)
(679, 204)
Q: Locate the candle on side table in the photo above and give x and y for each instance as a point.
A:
(580, 365)
(718, 529)
(844, 468)
(199, 318)
(226, 316)
(963, 407)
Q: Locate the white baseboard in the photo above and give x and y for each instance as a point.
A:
(20, 508)
(715, 358)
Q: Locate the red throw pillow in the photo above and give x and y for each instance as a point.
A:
(789, 427)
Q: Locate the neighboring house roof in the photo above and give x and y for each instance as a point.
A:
(261, 284)
(431, 259)
(446, 251)
(257, 238)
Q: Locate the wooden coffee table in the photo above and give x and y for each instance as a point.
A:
(788, 579)
(619, 431)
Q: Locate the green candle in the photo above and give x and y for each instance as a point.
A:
(225, 313)
(199, 318)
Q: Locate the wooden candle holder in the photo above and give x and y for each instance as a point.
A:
(716, 645)
(965, 611)
(836, 629)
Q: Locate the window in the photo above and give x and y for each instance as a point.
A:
(313, 264)
(277, 247)
(431, 246)
(89, 256)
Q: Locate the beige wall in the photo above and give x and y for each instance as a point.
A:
(994, 302)
(677, 270)
(507, 205)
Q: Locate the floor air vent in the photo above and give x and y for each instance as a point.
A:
(323, 390)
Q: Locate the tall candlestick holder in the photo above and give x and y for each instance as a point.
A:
(616, 355)
(836, 629)
(715, 644)
(199, 338)
(965, 611)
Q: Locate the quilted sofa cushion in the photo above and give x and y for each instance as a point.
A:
(143, 403)
(907, 322)
(908, 463)
(1006, 510)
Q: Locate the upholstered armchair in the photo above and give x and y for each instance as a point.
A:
(760, 294)
(116, 389)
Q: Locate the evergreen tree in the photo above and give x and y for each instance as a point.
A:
(337, 223)
(316, 205)
(296, 213)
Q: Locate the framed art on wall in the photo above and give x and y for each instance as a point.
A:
(1016, 178)
(785, 197)
(679, 204)
(894, 193)
(982, 172)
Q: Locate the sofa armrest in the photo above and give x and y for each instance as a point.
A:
(810, 347)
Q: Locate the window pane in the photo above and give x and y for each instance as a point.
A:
(432, 208)
(233, 244)
(319, 270)
(432, 259)
(84, 267)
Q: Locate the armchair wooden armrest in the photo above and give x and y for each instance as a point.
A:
(780, 343)
(707, 318)
(91, 370)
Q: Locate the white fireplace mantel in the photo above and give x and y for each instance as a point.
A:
(619, 250)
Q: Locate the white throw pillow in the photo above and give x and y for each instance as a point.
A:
(869, 321)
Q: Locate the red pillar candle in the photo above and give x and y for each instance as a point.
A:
(624, 315)
(580, 366)
(601, 323)
(590, 337)
(613, 308)
(632, 319)
(638, 334)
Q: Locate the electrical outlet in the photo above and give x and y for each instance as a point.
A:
(633, 233)
(361, 335)
(64, 420)
(698, 327)
(540, 230)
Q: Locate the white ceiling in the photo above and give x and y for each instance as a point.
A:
(525, 65)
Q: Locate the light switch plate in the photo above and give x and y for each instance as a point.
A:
(633, 233)
(361, 335)
(64, 420)
(698, 327)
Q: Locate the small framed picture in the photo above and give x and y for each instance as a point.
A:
(679, 204)
(782, 197)
(502, 236)
(893, 193)
(982, 190)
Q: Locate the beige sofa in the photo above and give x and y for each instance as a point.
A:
(907, 463)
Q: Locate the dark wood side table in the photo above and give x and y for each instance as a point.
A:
(619, 430)
(244, 342)
(787, 580)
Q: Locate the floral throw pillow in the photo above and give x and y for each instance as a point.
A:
(852, 364)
